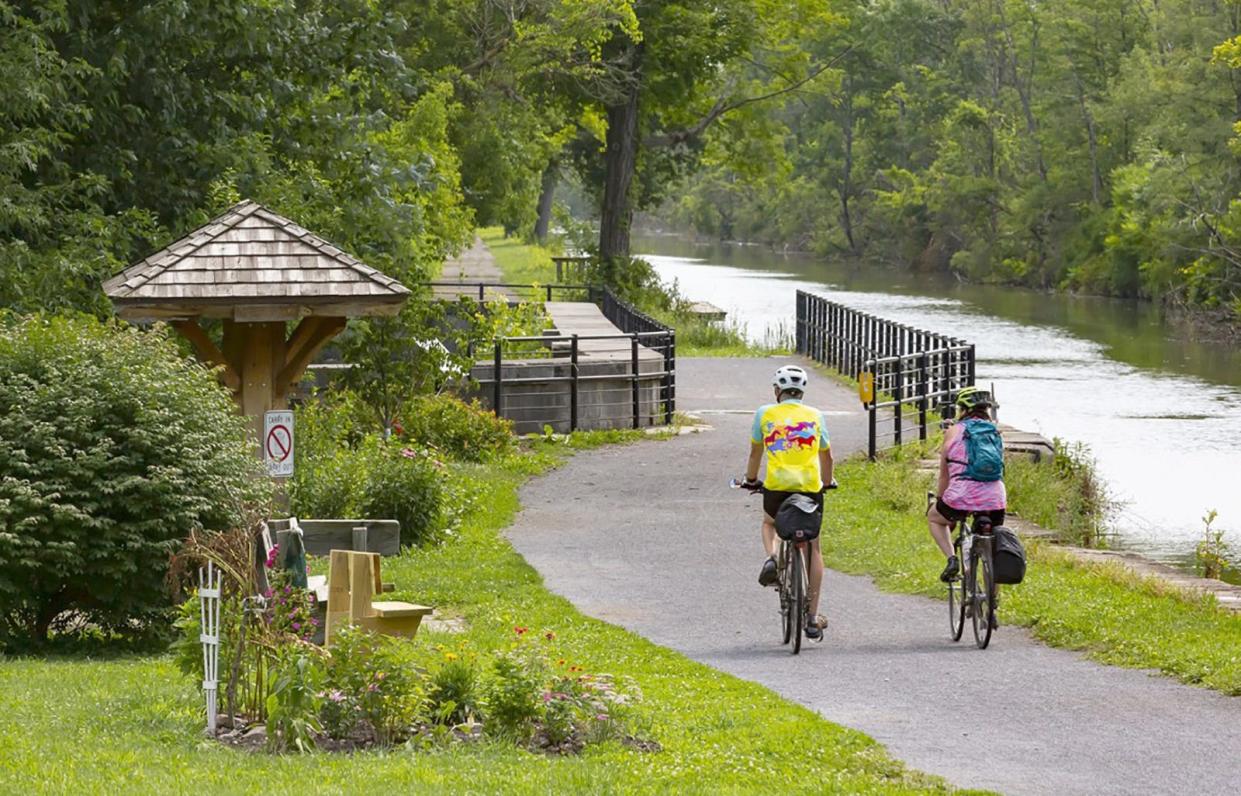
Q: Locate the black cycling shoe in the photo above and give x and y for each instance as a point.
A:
(951, 571)
(767, 576)
(813, 633)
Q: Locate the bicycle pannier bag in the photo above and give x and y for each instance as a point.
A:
(799, 518)
(984, 451)
(1009, 557)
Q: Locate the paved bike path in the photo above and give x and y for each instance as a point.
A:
(649, 537)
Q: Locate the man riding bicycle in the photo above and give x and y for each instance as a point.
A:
(956, 496)
(799, 461)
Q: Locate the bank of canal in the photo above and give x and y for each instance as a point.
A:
(1161, 414)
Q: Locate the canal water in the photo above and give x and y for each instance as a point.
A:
(1161, 414)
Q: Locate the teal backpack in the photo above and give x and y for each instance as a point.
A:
(984, 451)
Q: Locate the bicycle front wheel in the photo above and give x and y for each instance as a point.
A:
(797, 603)
(785, 583)
(957, 595)
(982, 588)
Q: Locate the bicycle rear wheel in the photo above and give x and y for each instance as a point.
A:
(956, 601)
(797, 603)
(982, 585)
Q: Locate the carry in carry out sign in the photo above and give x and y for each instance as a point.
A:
(278, 443)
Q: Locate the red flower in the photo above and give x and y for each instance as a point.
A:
(519, 630)
(550, 636)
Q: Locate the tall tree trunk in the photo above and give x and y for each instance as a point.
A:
(846, 187)
(1096, 178)
(620, 158)
(551, 175)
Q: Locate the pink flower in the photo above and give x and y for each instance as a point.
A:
(547, 697)
(297, 626)
(409, 453)
(267, 593)
(336, 696)
(271, 556)
(601, 717)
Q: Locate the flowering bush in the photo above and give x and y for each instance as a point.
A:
(558, 705)
(452, 689)
(290, 609)
(371, 477)
(371, 679)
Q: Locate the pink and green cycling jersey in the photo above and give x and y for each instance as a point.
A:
(963, 494)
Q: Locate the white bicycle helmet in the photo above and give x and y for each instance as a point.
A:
(790, 377)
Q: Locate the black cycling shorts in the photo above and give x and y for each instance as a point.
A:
(773, 499)
(957, 515)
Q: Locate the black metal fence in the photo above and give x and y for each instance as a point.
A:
(576, 381)
(911, 372)
(482, 291)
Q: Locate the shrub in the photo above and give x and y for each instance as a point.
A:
(371, 678)
(113, 448)
(293, 701)
(453, 690)
(342, 474)
(514, 693)
(464, 431)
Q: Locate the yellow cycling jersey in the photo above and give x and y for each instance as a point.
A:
(792, 435)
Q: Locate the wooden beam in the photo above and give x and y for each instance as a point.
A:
(208, 352)
(308, 346)
(300, 337)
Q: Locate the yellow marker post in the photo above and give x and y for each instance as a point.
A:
(866, 386)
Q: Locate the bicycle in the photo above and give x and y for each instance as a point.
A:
(973, 590)
(792, 562)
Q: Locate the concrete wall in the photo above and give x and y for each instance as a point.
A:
(605, 397)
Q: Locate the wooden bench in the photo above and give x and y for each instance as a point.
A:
(320, 537)
(353, 581)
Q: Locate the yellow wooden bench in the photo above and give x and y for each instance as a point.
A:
(353, 581)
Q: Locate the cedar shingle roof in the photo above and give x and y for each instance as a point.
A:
(250, 256)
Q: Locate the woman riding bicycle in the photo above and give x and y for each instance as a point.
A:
(956, 496)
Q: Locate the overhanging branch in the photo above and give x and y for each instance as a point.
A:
(723, 107)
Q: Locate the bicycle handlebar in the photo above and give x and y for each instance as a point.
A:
(757, 486)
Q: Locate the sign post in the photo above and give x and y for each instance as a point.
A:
(278, 443)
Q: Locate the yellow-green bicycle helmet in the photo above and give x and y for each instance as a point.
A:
(971, 398)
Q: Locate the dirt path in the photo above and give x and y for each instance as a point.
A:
(474, 265)
(649, 537)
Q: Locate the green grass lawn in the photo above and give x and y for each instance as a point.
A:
(875, 526)
(133, 724)
(520, 263)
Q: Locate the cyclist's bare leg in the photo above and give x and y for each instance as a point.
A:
(941, 531)
(769, 536)
(815, 576)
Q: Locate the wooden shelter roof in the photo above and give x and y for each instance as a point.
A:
(251, 264)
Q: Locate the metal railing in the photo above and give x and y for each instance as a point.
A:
(576, 381)
(571, 382)
(480, 290)
(910, 371)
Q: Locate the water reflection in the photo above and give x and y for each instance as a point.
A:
(1161, 414)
